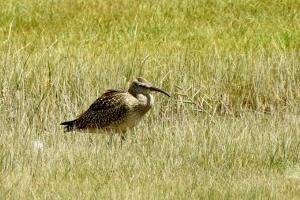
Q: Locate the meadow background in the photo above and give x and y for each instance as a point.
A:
(230, 131)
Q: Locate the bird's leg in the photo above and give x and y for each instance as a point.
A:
(123, 138)
(91, 140)
(110, 140)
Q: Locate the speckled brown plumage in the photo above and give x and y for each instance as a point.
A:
(116, 110)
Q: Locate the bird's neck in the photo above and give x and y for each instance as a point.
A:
(145, 102)
(145, 99)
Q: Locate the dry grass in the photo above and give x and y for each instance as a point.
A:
(230, 131)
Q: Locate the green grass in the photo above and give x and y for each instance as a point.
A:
(230, 131)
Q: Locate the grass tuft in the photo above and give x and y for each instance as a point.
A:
(230, 131)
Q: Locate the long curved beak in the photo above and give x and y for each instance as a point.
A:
(159, 90)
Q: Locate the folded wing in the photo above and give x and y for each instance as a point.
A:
(109, 109)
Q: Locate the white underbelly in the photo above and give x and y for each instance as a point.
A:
(130, 122)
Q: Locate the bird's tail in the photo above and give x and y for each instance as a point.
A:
(69, 125)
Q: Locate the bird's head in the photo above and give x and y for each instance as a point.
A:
(142, 86)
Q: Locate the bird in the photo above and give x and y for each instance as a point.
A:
(116, 111)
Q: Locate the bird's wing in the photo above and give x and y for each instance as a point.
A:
(109, 99)
(108, 109)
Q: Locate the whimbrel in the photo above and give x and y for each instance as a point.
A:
(115, 111)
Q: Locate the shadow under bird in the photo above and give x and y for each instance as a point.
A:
(116, 111)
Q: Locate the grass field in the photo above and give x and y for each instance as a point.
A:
(230, 131)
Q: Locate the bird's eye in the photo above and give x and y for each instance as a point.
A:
(142, 85)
